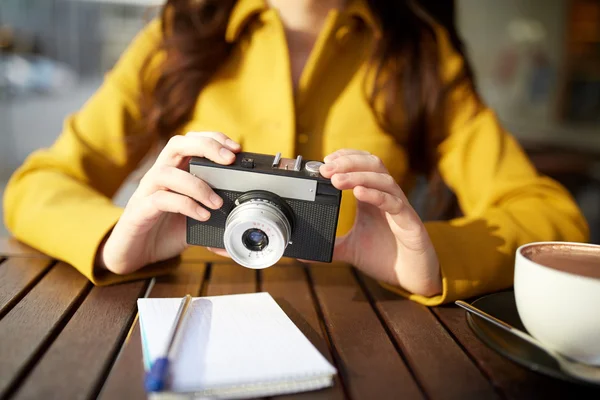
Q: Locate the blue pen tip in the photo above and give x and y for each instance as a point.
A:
(155, 378)
(153, 385)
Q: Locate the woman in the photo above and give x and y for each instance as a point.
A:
(378, 88)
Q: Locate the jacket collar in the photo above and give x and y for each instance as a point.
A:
(245, 10)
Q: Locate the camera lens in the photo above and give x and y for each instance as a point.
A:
(255, 239)
(258, 229)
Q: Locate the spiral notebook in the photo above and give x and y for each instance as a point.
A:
(235, 346)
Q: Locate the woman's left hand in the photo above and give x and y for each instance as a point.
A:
(388, 240)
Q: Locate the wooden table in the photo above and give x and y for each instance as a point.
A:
(61, 337)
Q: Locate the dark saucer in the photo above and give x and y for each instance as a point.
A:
(502, 306)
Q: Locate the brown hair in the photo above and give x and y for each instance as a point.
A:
(194, 45)
(408, 52)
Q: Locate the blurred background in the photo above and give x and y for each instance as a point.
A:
(537, 64)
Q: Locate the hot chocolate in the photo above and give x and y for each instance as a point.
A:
(575, 259)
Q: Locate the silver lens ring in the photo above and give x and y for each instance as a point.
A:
(257, 214)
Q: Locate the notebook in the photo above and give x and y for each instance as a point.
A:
(235, 346)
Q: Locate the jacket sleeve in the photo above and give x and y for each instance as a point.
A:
(59, 200)
(505, 202)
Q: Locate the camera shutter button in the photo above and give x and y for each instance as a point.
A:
(247, 163)
(313, 166)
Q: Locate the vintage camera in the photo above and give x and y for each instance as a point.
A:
(273, 207)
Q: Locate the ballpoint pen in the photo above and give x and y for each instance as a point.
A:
(157, 376)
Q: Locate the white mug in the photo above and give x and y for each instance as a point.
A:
(560, 309)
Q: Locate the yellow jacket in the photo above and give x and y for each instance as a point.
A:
(59, 200)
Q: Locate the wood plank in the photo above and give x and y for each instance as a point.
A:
(201, 254)
(187, 280)
(76, 363)
(31, 324)
(514, 381)
(230, 279)
(369, 364)
(17, 276)
(126, 378)
(289, 286)
(11, 247)
(428, 348)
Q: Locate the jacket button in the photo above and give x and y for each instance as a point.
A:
(303, 138)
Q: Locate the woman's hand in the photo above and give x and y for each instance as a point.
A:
(388, 240)
(152, 227)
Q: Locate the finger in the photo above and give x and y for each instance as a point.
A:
(165, 201)
(303, 261)
(219, 252)
(180, 147)
(372, 180)
(398, 209)
(182, 182)
(343, 152)
(382, 200)
(351, 163)
(343, 250)
(219, 137)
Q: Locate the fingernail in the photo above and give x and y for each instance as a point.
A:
(204, 215)
(230, 143)
(341, 177)
(226, 153)
(330, 166)
(216, 200)
(327, 158)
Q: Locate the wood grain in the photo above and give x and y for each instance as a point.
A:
(514, 381)
(230, 279)
(17, 276)
(368, 361)
(428, 348)
(26, 330)
(11, 247)
(86, 346)
(289, 286)
(187, 280)
(126, 378)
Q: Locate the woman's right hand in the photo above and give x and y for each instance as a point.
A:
(152, 227)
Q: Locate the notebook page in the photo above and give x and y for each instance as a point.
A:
(229, 341)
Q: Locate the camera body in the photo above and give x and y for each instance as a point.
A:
(273, 207)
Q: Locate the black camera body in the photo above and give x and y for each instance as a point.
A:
(273, 207)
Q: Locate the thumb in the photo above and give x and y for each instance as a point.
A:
(342, 250)
(220, 252)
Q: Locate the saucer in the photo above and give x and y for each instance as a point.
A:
(502, 306)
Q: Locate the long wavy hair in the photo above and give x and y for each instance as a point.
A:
(404, 62)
